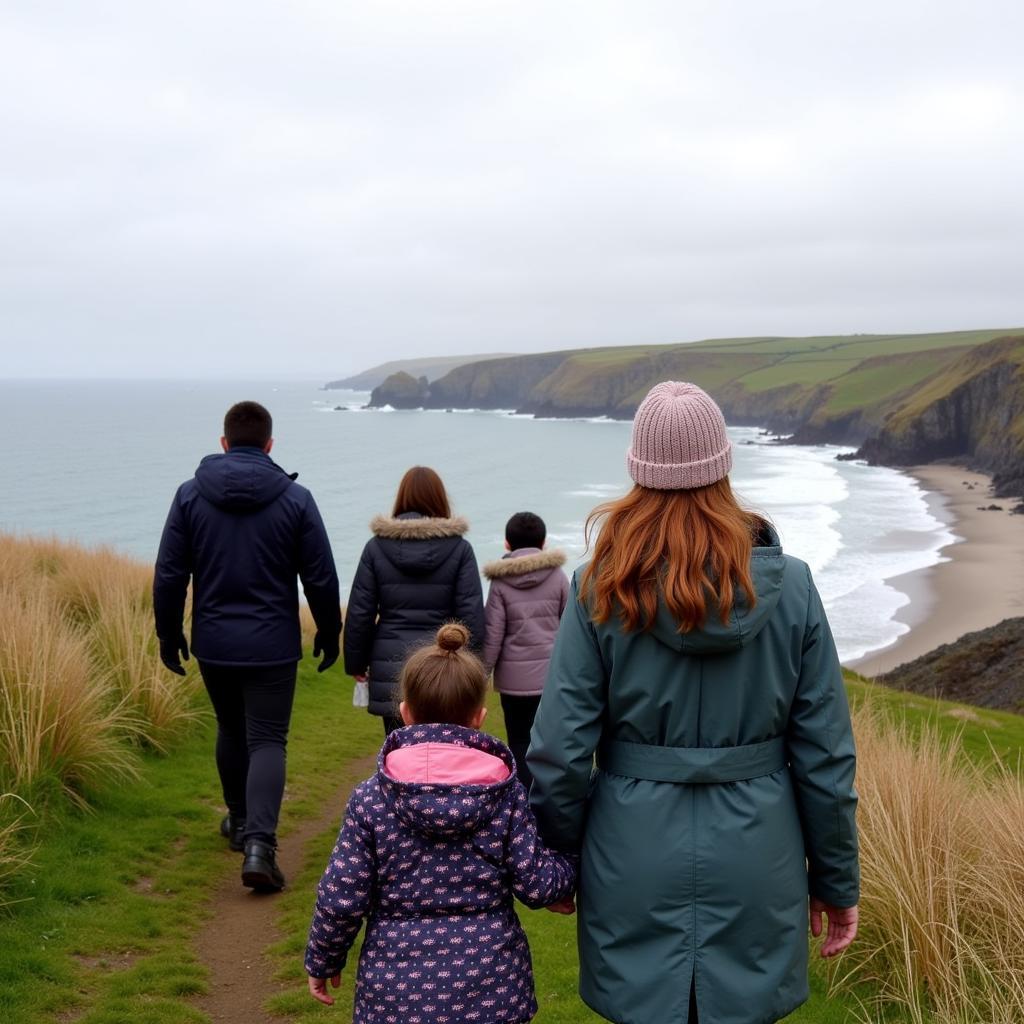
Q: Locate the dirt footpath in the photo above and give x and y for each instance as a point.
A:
(232, 944)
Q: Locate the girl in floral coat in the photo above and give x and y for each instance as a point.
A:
(432, 852)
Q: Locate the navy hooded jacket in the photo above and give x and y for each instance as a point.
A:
(415, 574)
(243, 530)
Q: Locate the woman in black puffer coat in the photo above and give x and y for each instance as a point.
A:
(416, 573)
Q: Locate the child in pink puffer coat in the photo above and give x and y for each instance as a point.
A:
(524, 606)
(431, 852)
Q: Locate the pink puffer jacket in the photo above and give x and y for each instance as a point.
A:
(524, 606)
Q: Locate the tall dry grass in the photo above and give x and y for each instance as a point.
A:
(122, 643)
(14, 855)
(79, 668)
(308, 625)
(59, 718)
(942, 901)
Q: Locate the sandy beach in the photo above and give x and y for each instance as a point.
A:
(982, 581)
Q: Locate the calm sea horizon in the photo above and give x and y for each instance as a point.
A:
(98, 461)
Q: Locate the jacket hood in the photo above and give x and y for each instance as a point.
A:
(417, 544)
(767, 565)
(241, 480)
(525, 567)
(435, 808)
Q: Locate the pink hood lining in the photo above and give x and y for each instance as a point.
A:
(445, 764)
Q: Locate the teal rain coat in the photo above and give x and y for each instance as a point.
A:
(722, 795)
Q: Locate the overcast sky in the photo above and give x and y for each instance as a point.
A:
(204, 188)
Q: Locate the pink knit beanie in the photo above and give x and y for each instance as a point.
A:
(679, 439)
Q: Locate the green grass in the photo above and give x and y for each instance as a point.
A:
(902, 361)
(621, 354)
(860, 346)
(796, 372)
(552, 945)
(87, 940)
(77, 909)
(869, 382)
(83, 936)
(984, 735)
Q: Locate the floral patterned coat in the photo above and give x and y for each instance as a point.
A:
(431, 852)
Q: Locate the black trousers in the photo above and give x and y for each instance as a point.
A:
(391, 723)
(253, 706)
(519, 714)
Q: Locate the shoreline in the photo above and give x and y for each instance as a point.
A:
(980, 581)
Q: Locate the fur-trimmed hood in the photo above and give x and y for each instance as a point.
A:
(526, 567)
(417, 545)
(414, 527)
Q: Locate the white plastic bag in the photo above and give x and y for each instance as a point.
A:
(361, 694)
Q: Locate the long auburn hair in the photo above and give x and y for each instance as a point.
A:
(684, 547)
(422, 490)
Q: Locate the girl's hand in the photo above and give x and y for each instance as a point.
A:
(842, 926)
(318, 989)
(566, 906)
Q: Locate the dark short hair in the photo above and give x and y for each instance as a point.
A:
(525, 530)
(248, 425)
(422, 490)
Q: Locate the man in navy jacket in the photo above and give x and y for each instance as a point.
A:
(243, 530)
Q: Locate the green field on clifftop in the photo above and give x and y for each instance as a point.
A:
(902, 399)
(839, 387)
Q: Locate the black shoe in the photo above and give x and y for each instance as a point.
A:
(259, 869)
(233, 830)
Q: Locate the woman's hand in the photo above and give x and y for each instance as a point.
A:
(566, 906)
(318, 989)
(842, 926)
(360, 679)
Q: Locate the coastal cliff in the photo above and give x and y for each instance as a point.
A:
(973, 410)
(904, 399)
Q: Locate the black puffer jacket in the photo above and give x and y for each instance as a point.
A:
(243, 530)
(415, 574)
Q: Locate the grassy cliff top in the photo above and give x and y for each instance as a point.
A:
(766, 362)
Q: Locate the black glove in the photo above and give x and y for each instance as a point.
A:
(169, 651)
(329, 649)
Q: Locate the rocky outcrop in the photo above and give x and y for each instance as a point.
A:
(401, 391)
(985, 668)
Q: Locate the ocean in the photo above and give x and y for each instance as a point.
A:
(99, 461)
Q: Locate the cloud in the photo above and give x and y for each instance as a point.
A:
(191, 189)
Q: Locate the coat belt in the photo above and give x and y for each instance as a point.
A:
(692, 764)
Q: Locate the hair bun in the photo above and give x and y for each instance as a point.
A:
(452, 636)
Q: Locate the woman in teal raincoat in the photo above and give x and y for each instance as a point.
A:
(694, 743)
